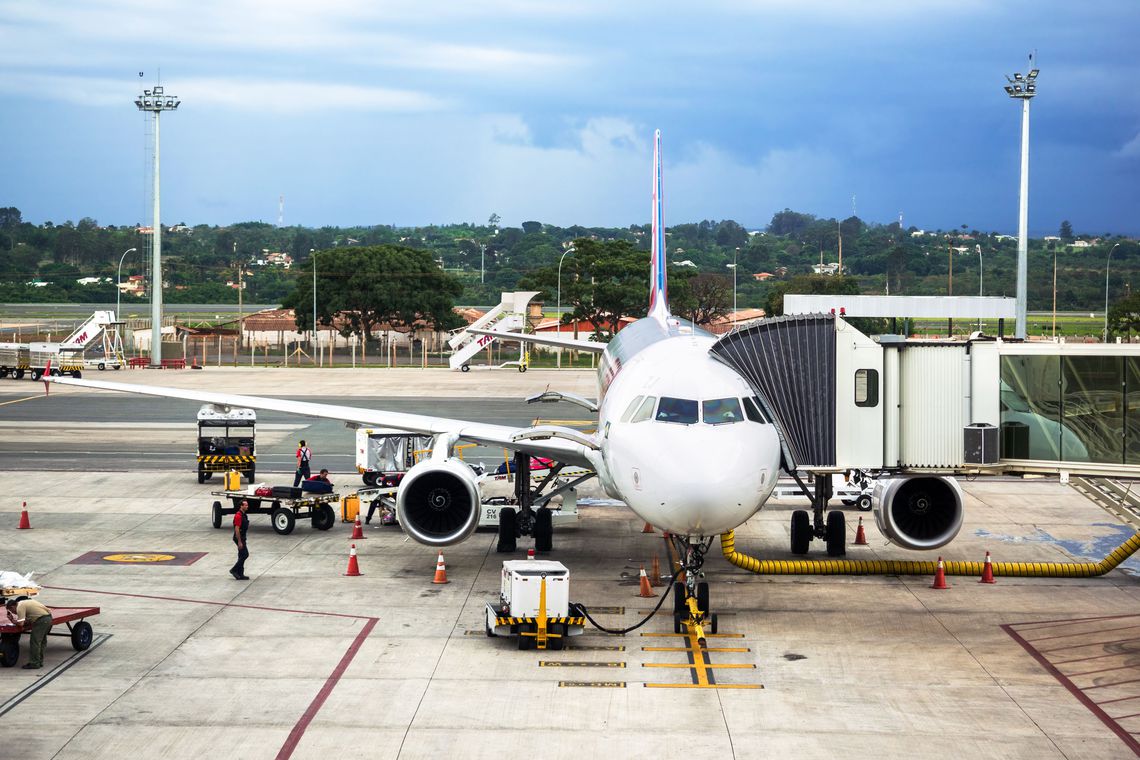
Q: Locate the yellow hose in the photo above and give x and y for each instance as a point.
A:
(924, 567)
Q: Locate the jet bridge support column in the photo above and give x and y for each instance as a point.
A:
(823, 494)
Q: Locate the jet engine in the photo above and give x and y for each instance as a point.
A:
(918, 511)
(438, 502)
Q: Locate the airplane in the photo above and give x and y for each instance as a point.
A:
(681, 437)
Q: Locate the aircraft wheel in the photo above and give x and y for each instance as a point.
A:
(801, 531)
(508, 533)
(679, 607)
(836, 534)
(678, 626)
(863, 503)
(714, 623)
(543, 530)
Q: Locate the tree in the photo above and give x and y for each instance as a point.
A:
(493, 220)
(1124, 315)
(530, 228)
(1066, 231)
(709, 298)
(372, 285)
(788, 222)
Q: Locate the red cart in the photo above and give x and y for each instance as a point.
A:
(78, 629)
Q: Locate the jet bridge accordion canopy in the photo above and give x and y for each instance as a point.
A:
(790, 363)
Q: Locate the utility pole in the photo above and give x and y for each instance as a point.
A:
(241, 287)
(155, 101)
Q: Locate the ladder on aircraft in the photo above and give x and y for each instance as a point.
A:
(509, 315)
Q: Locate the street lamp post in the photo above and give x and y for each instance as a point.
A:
(559, 307)
(119, 283)
(1023, 88)
(1107, 262)
(981, 280)
(482, 259)
(313, 255)
(155, 101)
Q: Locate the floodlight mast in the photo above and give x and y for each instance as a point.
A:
(1023, 88)
(155, 101)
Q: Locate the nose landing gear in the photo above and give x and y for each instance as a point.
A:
(691, 597)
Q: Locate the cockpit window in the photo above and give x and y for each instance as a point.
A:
(632, 408)
(721, 411)
(645, 411)
(680, 410)
(754, 411)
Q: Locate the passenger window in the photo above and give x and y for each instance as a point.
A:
(754, 412)
(645, 411)
(721, 411)
(866, 387)
(683, 411)
(632, 408)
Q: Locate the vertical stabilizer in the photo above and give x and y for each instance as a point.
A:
(658, 302)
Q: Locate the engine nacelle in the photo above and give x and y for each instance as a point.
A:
(918, 511)
(438, 502)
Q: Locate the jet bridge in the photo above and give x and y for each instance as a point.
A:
(844, 401)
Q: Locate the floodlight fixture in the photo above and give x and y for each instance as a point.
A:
(1009, 90)
(1033, 73)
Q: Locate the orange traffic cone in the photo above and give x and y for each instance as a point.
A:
(940, 577)
(357, 529)
(25, 523)
(988, 571)
(440, 570)
(648, 528)
(645, 591)
(530, 554)
(860, 536)
(353, 566)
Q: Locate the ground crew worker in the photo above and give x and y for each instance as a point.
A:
(36, 618)
(241, 525)
(323, 477)
(304, 456)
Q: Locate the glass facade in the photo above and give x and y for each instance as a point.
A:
(1071, 408)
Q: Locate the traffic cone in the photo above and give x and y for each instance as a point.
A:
(860, 536)
(645, 591)
(648, 528)
(357, 529)
(440, 570)
(353, 566)
(530, 553)
(940, 577)
(25, 523)
(655, 573)
(988, 571)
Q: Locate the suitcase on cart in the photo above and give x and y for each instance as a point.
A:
(286, 492)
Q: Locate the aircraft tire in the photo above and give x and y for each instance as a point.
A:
(801, 531)
(679, 599)
(543, 530)
(508, 533)
(703, 597)
(836, 534)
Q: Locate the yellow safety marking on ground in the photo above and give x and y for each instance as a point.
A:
(578, 664)
(594, 648)
(18, 400)
(707, 686)
(700, 665)
(594, 684)
(686, 649)
(138, 557)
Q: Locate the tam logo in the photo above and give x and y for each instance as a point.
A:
(485, 339)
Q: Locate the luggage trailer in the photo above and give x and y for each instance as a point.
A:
(283, 510)
(78, 630)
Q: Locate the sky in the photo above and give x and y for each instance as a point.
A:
(412, 112)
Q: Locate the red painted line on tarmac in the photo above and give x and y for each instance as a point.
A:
(298, 731)
(209, 601)
(1118, 699)
(1092, 706)
(1085, 633)
(1094, 657)
(1106, 685)
(1050, 623)
(1091, 644)
(1103, 670)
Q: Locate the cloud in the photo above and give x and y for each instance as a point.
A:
(1130, 149)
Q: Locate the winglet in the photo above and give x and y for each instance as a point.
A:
(658, 302)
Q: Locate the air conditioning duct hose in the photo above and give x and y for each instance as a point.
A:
(924, 567)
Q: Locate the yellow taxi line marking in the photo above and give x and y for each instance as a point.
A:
(699, 666)
(687, 649)
(708, 686)
(18, 400)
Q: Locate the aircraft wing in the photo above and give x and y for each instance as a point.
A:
(536, 441)
(544, 340)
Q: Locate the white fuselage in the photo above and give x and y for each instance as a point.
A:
(701, 472)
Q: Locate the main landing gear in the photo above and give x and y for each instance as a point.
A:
(805, 527)
(691, 597)
(527, 521)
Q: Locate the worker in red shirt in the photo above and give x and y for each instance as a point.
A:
(241, 525)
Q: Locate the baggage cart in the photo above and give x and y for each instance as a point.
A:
(78, 630)
(284, 512)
